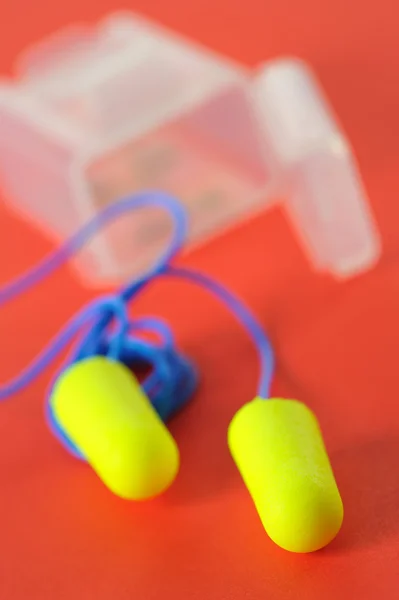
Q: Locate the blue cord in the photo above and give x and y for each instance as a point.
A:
(110, 332)
(244, 316)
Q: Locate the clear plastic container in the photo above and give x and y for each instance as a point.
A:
(96, 113)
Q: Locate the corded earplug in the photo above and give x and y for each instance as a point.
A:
(101, 407)
(103, 415)
(279, 451)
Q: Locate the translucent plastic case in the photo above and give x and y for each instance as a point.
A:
(96, 113)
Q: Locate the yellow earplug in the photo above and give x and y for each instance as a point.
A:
(278, 449)
(102, 408)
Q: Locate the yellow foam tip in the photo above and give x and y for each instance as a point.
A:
(278, 449)
(102, 408)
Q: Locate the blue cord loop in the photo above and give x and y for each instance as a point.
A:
(107, 329)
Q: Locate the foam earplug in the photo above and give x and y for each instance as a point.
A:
(101, 407)
(278, 448)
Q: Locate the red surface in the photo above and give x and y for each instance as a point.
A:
(62, 535)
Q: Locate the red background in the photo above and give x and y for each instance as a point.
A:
(62, 535)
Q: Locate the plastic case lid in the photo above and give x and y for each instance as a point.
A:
(316, 170)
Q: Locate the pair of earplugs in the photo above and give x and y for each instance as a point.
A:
(102, 414)
(276, 444)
